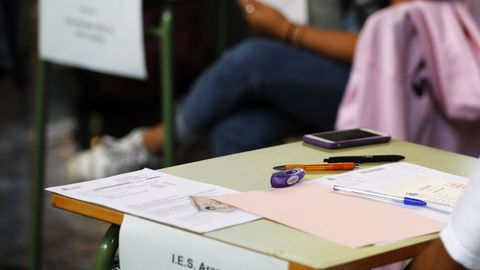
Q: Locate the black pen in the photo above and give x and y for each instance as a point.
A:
(363, 159)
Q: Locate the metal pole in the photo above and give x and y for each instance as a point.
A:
(167, 75)
(39, 168)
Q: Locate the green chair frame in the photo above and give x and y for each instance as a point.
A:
(165, 33)
(108, 248)
(109, 244)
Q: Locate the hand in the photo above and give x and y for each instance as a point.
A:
(265, 19)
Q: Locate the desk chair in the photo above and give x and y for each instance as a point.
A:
(164, 31)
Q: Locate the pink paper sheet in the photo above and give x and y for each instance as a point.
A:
(349, 220)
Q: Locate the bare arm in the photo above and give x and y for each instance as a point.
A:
(336, 44)
(267, 20)
(435, 256)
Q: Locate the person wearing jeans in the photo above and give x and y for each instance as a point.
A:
(260, 92)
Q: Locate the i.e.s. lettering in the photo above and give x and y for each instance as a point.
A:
(182, 261)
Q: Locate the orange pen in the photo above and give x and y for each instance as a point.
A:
(319, 167)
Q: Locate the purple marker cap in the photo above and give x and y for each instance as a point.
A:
(287, 178)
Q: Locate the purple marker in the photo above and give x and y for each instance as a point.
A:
(287, 178)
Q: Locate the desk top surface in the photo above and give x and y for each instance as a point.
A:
(252, 170)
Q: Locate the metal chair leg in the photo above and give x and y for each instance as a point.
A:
(108, 248)
(167, 75)
(39, 168)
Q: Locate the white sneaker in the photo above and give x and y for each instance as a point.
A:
(112, 156)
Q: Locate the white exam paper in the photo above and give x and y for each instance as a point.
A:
(147, 245)
(296, 10)
(104, 36)
(400, 178)
(156, 196)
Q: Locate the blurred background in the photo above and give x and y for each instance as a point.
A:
(82, 105)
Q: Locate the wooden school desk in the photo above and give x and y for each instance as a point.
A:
(252, 170)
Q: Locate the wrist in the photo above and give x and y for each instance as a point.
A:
(289, 33)
(297, 36)
(294, 34)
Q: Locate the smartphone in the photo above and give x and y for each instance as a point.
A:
(346, 138)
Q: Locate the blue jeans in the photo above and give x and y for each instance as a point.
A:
(260, 92)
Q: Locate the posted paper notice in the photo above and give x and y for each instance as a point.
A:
(104, 36)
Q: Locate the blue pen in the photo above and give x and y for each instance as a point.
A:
(404, 200)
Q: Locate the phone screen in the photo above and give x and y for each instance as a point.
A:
(346, 135)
